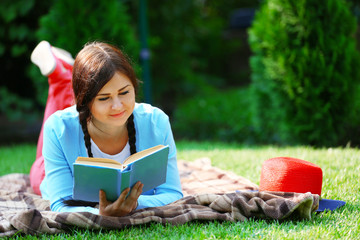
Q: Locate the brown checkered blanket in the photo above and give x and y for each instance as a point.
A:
(209, 194)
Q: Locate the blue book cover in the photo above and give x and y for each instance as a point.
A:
(92, 174)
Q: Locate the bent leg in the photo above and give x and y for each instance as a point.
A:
(60, 96)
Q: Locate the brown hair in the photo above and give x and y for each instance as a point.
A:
(94, 66)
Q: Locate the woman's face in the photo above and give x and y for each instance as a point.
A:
(114, 103)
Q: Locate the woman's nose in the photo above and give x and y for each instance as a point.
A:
(117, 103)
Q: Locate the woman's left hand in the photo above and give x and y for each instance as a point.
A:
(123, 205)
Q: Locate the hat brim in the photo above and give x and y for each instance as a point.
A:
(329, 205)
(324, 204)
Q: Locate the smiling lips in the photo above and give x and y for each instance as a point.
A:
(117, 115)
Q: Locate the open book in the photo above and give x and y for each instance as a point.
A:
(92, 174)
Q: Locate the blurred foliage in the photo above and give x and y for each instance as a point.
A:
(16, 108)
(304, 68)
(189, 51)
(305, 71)
(70, 24)
(18, 22)
(188, 42)
(217, 115)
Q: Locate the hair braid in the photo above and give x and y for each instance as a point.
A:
(132, 134)
(83, 117)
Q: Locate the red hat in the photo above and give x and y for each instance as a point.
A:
(286, 174)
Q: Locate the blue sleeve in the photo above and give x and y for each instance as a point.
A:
(58, 173)
(170, 191)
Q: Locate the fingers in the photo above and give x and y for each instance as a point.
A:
(102, 198)
(129, 200)
(134, 194)
(122, 197)
(125, 203)
(136, 190)
(103, 203)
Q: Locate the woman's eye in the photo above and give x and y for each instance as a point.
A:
(124, 93)
(103, 99)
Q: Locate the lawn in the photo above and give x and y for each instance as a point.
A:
(341, 170)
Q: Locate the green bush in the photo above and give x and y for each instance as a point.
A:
(305, 71)
(18, 23)
(186, 39)
(16, 108)
(70, 24)
(222, 116)
(189, 50)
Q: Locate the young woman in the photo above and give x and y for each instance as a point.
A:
(104, 122)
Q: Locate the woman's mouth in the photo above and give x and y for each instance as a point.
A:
(117, 115)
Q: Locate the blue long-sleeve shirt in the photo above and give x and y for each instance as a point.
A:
(64, 142)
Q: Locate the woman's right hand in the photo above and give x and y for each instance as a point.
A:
(123, 205)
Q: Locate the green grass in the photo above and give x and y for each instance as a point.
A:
(17, 158)
(341, 170)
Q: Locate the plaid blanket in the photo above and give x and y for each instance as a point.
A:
(210, 194)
